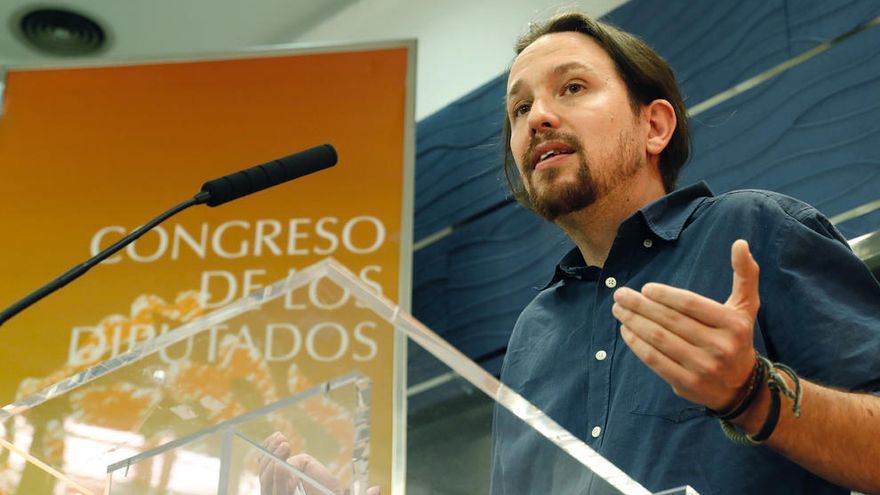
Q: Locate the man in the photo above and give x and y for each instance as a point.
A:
(617, 355)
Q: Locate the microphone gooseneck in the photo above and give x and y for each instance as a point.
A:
(213, 193)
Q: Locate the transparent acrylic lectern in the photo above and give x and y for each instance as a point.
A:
(211, 407)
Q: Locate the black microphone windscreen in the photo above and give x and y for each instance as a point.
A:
(251, 180)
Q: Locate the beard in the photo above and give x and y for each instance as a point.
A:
(569, 197)
(586, 187)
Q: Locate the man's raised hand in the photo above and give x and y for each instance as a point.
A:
(701, 347)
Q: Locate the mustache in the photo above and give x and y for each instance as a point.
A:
(569, 139)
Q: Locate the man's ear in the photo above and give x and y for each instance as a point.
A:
(661, 120)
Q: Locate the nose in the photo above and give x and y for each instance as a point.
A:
(542, 117)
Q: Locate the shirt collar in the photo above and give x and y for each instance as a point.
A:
(572, 265)
(665, 217)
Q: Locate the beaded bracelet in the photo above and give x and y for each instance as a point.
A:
(776, 384)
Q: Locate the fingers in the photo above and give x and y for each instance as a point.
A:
(743, 295)
(661, 364)
(737, 314)
(744, 290)
(636, 311)
(308, 473)
(314, 473)
(374, 490)
(650, 329)
(701, 347)
(277, 444)
(687, 342)
(283, 481)
(700, 308)
(270, 484)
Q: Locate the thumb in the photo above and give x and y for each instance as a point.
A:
(744, 292)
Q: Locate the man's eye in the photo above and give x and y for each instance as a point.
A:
(521, 109)
(572, 88)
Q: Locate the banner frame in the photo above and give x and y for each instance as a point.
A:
(399, 365)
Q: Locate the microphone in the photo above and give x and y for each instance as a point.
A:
(239, 184)
(213, 193)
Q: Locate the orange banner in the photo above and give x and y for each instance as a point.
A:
(89, 154)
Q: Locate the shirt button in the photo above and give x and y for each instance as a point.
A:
(601, 355)
(647, 243)
(596, 432)
(610, 282)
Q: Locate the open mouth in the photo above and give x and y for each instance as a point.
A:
(551, 154)
(545, 153)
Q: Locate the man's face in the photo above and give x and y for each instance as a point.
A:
(574, 134)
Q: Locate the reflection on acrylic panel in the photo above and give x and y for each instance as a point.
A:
(198, 425)
(329, 421)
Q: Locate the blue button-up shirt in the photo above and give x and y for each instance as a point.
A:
(820, 314)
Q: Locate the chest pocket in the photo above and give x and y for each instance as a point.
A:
(651, 396)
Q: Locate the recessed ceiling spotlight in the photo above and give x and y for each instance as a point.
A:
(61, 32)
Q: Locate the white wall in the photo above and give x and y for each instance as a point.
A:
(461, 43)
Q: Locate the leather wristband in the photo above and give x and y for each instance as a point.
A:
(777, 386)
(750, 391)
(772, 415)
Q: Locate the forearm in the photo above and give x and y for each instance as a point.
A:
(704, 350)
(837, 435)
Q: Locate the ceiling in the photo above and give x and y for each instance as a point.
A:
(447, 67)
(160, 28)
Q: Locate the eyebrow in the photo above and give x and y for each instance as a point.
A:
(558, 70)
